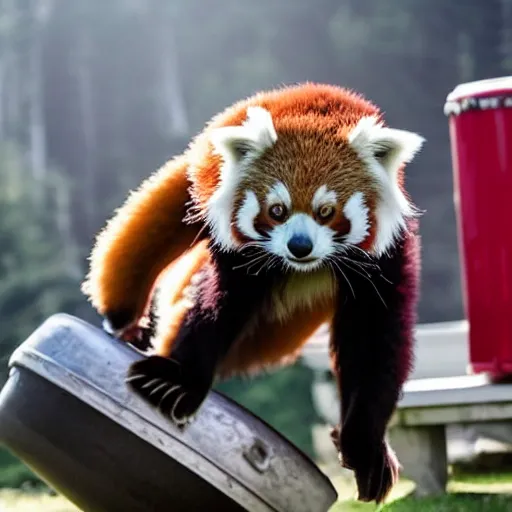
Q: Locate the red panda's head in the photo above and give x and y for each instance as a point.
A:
(304, 173)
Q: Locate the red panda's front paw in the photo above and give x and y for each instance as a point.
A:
(376, 470)
(132, 333)
(175, 390)
(117, 323)
(376, 479)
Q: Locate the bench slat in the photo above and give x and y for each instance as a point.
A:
(463, 390)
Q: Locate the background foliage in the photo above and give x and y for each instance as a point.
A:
(95, 95)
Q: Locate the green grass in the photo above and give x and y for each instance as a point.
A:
(16, 501)
(449, 503)
(13, 473)
(453, 503)
(467, 492)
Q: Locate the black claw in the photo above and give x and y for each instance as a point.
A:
(188, 404)
(168, 386)
(168, 399)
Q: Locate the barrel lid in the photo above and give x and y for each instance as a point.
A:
(480, 95)
(90, 365)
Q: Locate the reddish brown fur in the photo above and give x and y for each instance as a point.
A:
(274, 342)
(147, 234)
(144, 236)
(313, 123)
(339, 223)
(266, 342)
(173, 302)
(325, 112)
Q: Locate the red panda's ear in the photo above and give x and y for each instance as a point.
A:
(388, 146)
(257, 133)
(236, 145)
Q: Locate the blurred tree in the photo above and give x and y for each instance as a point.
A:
(485, 28)
(38, 272)
(106, 91)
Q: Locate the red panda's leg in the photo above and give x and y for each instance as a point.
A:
(226, 297)
(144, 236)
(173, 297)
(372, 349)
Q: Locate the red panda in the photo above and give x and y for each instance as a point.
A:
(287, 211)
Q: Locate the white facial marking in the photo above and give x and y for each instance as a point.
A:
(279, 194)
(239, 146)
(323, 196)
(247, 214)
(256, 134)
(356, 212)
(384, 150)
(301, 224)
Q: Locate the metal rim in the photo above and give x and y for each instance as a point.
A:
(457, 107)
(114, 410)
(64, 335)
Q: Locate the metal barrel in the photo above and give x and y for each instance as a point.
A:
(67, 413)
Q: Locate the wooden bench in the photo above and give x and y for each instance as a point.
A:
(441, 405)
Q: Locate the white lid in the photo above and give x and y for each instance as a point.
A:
(479, 87)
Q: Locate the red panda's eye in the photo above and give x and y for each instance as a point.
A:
(277, 212)
(326, 212)
(379, 154)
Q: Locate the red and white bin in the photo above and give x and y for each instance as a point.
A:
(480, 122)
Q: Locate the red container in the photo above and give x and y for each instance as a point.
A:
(480, 121)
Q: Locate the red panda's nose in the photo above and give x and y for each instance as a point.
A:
(300, 246)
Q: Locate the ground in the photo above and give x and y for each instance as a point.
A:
(468, 493)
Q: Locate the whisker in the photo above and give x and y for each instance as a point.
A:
(263, 257)
(265, 263)
(386, 279)
(273, 261)
(199, 233)
(251, 262)
(344, 275)
(364, 253)
(331, 267)
(357, 271)
(371, 282)
(341, 250)
(253, 249)
(255, 252)
(353, 262)
(253, 243)
(361, 264)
